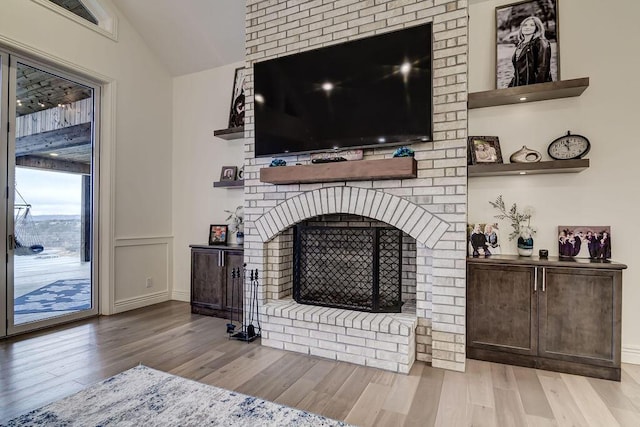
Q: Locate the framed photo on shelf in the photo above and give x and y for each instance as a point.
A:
(484, 149)
(527, 43)
(218, 234)
(236, 114)
(228, 173)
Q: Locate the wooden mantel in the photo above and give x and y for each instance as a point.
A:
(357, 170)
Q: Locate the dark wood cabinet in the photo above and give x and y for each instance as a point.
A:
(561, 315)
(214, 292)
(494, 295)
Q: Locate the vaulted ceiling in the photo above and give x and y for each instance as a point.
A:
(189, 35)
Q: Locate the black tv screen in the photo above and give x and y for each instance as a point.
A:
(363, 93)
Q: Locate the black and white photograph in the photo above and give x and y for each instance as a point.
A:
(527, 43)
(484, 149)
(484, 239)
(236, 115)
(581, 241)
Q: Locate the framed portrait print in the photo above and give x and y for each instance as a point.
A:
(218, 234)
(484, 149)
(527, 43)
(228, 173)
(236, 114)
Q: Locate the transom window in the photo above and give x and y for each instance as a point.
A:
(77, 8)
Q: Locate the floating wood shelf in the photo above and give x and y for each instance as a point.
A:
(231, 184)
(535, 92)
(556, 166)
(231, 133)
(357, 170)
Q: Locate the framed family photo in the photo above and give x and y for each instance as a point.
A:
(484, 149)
(228, 173)
(236, 114)
(218, 234)
(584, 241)
(527, 43)
(483, 238)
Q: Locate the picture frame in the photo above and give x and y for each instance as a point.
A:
(584, 241)
(218, 234)
(483, 239)
(236, 111)
(484, 150)
(527, 43)
(229, 173)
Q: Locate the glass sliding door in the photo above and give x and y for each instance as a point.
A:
(50, 212)
(4, 119)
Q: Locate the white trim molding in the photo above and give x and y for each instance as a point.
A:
(631, 354)
(180, 295)
(127, 304)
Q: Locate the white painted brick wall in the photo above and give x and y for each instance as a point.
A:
(278, 27)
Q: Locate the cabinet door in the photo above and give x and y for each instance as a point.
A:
(501, 308)
(207, 281)
(580, 316)
(234, 298)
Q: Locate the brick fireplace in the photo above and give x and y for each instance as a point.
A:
(429, 209)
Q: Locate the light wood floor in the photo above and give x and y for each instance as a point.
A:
(42, 367)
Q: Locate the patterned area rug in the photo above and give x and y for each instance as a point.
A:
(62, 295)
(145, 397)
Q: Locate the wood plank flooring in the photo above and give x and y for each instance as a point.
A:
(45, 366)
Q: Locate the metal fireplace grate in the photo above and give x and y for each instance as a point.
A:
(348, 267)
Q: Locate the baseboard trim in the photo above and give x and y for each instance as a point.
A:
(140, 301)
(631, 354)
(181, 296)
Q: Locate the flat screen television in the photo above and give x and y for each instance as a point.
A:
(363, 93)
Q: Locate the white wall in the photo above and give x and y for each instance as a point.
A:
(136, 144)
(597, 40)
(201, 103)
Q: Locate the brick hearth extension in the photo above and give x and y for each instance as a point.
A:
(380, 340)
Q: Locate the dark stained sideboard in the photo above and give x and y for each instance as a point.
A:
(211, 280)
(556, 314)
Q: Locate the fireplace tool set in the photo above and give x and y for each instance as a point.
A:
(247, 331)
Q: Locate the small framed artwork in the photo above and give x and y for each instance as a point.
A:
(592, 241)
(484, 149)
(527, 43)
(218, 234)
(484, 239)
(229, 173)
(236, 114)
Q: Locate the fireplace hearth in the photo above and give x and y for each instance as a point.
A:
(353, 268)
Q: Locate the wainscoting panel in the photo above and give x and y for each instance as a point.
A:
(143, 271)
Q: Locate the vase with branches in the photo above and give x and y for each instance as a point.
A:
(236, 223)
(521, 224)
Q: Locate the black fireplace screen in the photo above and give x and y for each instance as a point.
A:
(355, 268)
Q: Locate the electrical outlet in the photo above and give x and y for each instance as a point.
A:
(149, 282)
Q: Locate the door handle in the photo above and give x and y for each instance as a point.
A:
(544, 279)
(221, 258)
(535, 279)
(11, 242)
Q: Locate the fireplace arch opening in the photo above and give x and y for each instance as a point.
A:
(346, 261)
